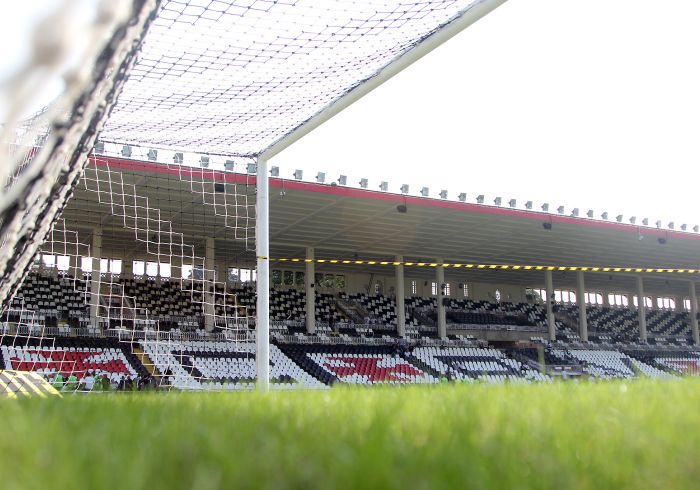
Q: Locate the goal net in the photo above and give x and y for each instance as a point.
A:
(132, 235)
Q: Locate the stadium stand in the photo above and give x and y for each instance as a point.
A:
(51, 308)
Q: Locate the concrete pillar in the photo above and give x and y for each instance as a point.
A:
(74, 264)
(654, 302)
(309, 279)
(694, 313)
(400, 302)
(606, 298)
(581, 297)
(442, 314)
(680, 307)
(630, 300)
(641, 310)
(209, 277)
(95, 278)
(551, 325)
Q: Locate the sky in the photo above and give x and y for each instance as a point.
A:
(591, 104)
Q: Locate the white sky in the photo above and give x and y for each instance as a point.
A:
(591, 104)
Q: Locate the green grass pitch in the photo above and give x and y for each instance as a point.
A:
(640, 434)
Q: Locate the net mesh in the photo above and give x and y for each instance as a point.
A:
(233, 77)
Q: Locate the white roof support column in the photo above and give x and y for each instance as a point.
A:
(693, 312)
(606, 298)
(400, 301)
(442, 314)
(262, 244)
(551, 325)
(641, 310)
(581, 297)
(309, 278)
(95, 277)
(209, 278)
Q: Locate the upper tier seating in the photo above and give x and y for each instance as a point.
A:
(48, 299)
(622, 324)
(222, 365)
(470, 312)
(381, 309)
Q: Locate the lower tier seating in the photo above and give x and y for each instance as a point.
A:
(475, 363)
(76, 357)
(222, 365)
(607, 364)
(674, 362)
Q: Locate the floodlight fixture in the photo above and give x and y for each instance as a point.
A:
(645, 221)
(604, 215)
(364, 183)
(343, 180)
(298, 174)
(658, 223)
(275, 171)
(590, 213)
(178, 158)
(545, 207)
(204, 162)
(424, 192)
(252, 168)
(152, 155)
(462, 196)
(126, 151)
(512, 203)
(528, 205)
(320, 177)
(100, 147)
(560, 210)
(619, 218)
(575, 212)
(384, 186)
(684, 227)
(480, 199)
(696, 228)
(404, 189)
(443, 194)
(672, 226)
(633, 219)
(497, 201)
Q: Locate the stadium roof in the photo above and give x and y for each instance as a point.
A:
(249, 77)
(341, 222)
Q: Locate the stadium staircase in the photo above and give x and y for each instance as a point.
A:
(145, 361)
(351, 309)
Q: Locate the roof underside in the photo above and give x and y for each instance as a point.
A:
(236, 77)
(341, 222)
